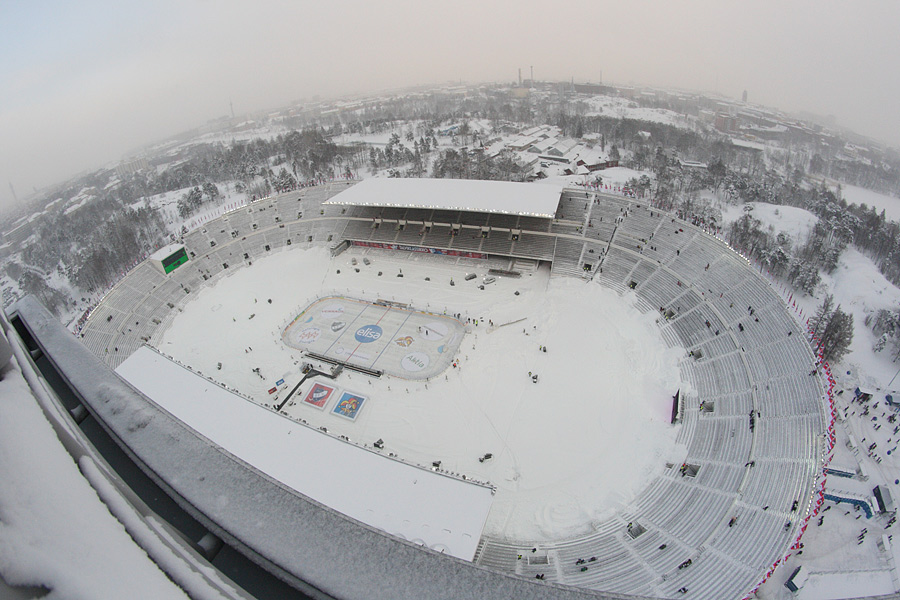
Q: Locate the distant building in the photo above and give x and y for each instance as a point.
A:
(691, 165)
(774, 132)
(561, 148)
(707, 116)
(598, 165)
(727, 123)
(595, 89)
(543, 146)
(17, 235)
(124, 169)
(747, 147)
(522, 142)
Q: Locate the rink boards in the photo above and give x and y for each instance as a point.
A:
(394, 340)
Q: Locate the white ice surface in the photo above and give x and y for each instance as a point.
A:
(454, 194)
(566, 451)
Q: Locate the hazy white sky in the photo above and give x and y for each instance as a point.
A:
(83, 82)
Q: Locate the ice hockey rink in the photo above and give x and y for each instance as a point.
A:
(382, 337)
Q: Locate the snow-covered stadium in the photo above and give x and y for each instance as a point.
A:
(616, 405)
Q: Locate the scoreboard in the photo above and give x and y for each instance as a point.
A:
(169, 258)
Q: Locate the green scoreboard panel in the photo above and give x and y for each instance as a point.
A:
(174, 260)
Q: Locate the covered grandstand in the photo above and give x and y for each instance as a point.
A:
(752, 424)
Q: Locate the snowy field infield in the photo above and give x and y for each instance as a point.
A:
(567, 451)
(393, 340)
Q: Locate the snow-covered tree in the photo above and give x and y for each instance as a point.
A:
(834, 329)
(211, 191)
(838, 335)
(614, 153)
(886, 327)
(823, 315)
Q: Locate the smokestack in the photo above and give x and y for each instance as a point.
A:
(532, 75)
(520, 76)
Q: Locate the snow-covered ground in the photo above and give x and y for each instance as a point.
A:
(857, 195)
(567, 450)
(796, 222)
(623, 108)
(862, 290)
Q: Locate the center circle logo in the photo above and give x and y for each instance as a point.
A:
(368, 333)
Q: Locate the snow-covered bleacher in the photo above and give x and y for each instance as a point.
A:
(358, 230)
(572, 208)
(497, 243)
(534, 246)
(503, 221)
(533, 224)
(744, 355)
(438, 237)
(617, 267)
(721, 438)
(567, 257)
(467, 240)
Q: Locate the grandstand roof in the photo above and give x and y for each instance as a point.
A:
(537, 200)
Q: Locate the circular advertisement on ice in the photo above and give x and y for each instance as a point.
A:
(368, 334)
(433, 331)
(308, 335)
(414, 361)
